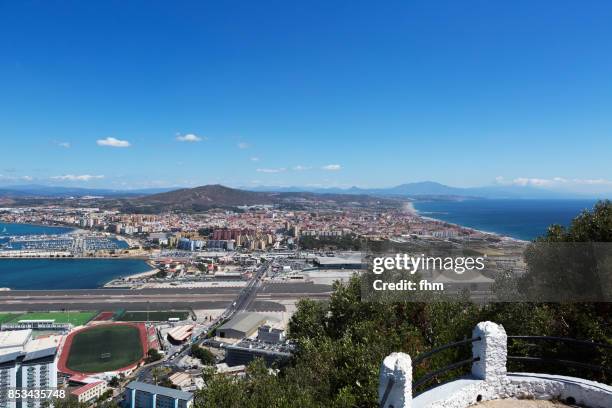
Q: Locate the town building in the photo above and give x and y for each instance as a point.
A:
(26, 364)
(143, 395)
(89, 391)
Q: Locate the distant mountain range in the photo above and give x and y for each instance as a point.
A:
(420, 190)
(431, 189)
(218, 196)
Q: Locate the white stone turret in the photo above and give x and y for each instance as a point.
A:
(395, 386)
(492, 350)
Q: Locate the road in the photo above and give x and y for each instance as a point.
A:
(241, 303)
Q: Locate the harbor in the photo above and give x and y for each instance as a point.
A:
(76, 243)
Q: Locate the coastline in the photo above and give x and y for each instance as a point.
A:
(138, 275)
(418, 213)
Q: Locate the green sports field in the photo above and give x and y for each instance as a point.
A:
(153, 316)
(76, 318)
(104, 348)
(6, 317)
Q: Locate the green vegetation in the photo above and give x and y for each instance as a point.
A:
(574, 263)
(6, 317)
(76, 318)
(153, 316)
(345, 242)
(153, 355)
(72, 402)
(205, 232)
(106, 395)
(159, 372)
(204, 355)
(341, 343)
(105, 348)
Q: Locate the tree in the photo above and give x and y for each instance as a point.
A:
(204, 355)
(572, 264)
(158, 373)
(104, 396)
(114, 382)
(69, 402)
(205, 232)
(165, 382)
(153, 355)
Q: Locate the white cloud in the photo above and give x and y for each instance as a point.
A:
(300, 168)
(65, 145)
(243, 145)
(596, 182)
(16, 178)
(277, 170)
(332, 167)
(74, 177)
(112, 142)
(254, 159)
(551, 182)
(189, 137)
(538, 182)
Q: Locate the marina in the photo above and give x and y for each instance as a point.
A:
(71, 243)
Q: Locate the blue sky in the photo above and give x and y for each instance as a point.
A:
(466, 93)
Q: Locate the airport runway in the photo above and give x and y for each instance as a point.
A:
(166, 298)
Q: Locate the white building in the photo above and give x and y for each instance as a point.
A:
(26, 363)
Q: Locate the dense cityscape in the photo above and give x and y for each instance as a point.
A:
(322, 204)
(220, 288)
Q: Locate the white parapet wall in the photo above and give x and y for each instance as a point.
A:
(395, 385)
(489, 380)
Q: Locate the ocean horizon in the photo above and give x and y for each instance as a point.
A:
(516, 218)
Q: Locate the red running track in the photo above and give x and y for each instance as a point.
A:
(63, 359)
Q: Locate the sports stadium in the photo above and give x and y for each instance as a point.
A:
(106, 347)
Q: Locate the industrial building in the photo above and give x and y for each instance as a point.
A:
(246, 351)
(241, 326)
(352, 261)
(143, 395)
(269, 334)
(180, 334)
